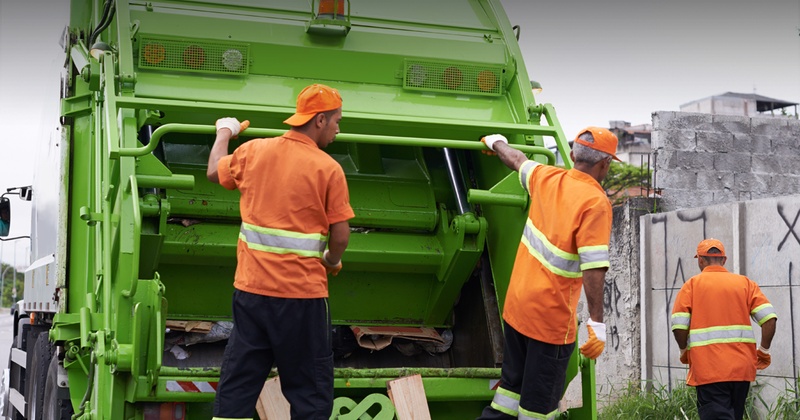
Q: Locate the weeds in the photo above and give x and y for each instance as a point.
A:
(655, 403)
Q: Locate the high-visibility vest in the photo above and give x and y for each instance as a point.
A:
(567, 231)
(716, 306)
(292, 192)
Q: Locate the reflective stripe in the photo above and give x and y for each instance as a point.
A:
(280, 241)
(680, 320)
(525, 171)
(525, 414)
(763, 313)
(593, 256)
(506, 402)
(559, 262)
(717, 335)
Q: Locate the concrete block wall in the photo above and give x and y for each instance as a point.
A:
(620, 363)
(762, 240)
(704, 159)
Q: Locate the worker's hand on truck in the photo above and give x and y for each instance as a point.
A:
(597, 340)
(491, 140)
(232, 124)
(330, 267)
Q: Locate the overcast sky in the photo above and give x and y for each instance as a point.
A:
(597, 60)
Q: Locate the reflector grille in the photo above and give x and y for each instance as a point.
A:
(465, 78)
(193, 55)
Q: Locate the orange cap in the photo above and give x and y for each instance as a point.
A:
(311, 101)
(604, 140)
(706, 244)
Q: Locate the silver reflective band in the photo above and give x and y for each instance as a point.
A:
(530, 415)
(680, 320)
(763, 313)
(594, 258)
(525, 171)
(283, 242)
(505, 403)
(717, 335)
(567, 267)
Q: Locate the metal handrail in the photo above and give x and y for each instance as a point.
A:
(342, 137)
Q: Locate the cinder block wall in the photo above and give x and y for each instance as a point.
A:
(620, 363)
(704, 159)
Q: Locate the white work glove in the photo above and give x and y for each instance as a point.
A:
(330, 267)
(232, 124)
(493, 139)
(597, 340)
(763, 359)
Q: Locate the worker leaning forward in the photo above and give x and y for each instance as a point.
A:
(564, 245)
(294, 201)
(711, 323)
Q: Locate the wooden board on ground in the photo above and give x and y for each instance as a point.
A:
(189, 326)
(271, 404)
(408, 396)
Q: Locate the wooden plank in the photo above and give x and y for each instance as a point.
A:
(271, 404)
(408, 396)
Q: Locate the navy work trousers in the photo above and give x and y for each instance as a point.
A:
(534, 370)
(722, 400)
(292, 334)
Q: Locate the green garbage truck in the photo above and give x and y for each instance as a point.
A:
(127, 299)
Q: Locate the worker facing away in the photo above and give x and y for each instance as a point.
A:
(711, 323)
(564, 246)
(294, 202)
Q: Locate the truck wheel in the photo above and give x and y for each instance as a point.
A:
(37, 376)
(57, 405)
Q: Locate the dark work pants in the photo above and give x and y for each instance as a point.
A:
(722, 400)
(292, 334)
(535, 370)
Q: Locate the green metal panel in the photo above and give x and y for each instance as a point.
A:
(151, 239)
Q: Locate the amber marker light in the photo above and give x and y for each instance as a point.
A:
(487, 81)
(154, 53)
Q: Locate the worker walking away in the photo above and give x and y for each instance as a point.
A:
(294, 202)
(564, 246)
(711, 323)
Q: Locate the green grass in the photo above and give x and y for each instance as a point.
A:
(656, 402)
(785, 407)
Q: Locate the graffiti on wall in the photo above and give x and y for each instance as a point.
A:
(767, 237)
(671, 286)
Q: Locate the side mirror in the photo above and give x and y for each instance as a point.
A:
(5, 216)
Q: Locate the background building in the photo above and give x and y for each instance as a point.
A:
(743, 104)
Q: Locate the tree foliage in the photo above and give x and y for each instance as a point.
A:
(8, 284)
(624, 180)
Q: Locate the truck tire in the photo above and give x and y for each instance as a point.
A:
(57, 405)
(43, 351)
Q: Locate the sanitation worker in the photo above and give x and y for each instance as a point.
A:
(564, 246)
(711, 323)
(294, 203)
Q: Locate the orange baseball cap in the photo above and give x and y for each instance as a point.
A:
(604, 140)
(311, 101)
(706, 244)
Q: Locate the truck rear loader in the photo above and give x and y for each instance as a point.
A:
(133, 249)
